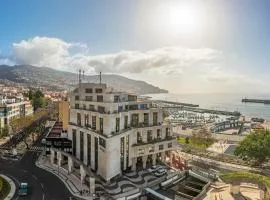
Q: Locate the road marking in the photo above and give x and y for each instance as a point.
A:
(42, 185)
(43, 197)
(35, 177)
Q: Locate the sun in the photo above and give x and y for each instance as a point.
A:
(180, 18)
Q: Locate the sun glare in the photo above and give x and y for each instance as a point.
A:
(180, 18)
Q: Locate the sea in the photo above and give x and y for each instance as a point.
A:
(226, 102)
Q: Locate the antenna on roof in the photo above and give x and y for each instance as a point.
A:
(80, 74)
(99, 77)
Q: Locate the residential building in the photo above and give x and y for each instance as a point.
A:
(12, 108)
(115, 131)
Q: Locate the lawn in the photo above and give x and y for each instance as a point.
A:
(4, 188)
(197, 145)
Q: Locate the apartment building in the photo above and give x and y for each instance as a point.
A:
(114, 131)
(12, 108)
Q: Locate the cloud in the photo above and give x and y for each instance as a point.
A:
(58, 54)
(218, 74)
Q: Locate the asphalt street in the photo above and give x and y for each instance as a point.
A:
(42, 184)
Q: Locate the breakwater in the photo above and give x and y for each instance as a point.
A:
(245, 100)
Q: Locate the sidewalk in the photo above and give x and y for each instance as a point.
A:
(71, 181)
(12, 187)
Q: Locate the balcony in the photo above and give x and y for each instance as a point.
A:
(155, 140)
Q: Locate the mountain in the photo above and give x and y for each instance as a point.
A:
(54, 79)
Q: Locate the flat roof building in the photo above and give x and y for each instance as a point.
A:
(114, 131)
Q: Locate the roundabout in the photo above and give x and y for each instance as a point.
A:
(7, 187)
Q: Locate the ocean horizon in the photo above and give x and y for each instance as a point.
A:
(222, 101)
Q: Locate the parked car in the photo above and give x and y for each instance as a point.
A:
(160, 172)
(154, 168)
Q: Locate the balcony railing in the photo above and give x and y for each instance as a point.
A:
(155, 140)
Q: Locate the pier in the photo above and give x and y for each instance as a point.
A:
(245, 100)
(177, 103)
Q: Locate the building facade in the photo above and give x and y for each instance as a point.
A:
(63, 113)
(114, 131)
(12, 108)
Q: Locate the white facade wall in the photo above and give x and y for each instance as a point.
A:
(109, 164)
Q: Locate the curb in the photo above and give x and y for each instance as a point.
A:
(64, 181)
(12, 187)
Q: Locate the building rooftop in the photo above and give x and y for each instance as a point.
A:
(56, 130)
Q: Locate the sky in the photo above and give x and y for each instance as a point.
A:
(184, 46)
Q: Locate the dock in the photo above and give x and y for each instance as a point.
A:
(177, 103)
(263, 101)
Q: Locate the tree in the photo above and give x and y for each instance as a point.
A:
(187, 140)
(202, 137)
(36, 97)
(255, 146)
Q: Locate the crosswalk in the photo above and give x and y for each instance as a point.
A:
(35, 148)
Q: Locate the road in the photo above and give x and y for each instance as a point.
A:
(42, 184)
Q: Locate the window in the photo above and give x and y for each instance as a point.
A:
(132, 98)
(170, 145)
(102, 142)
(117, 128)
(140, 151)
(86, 120)
(94, 122)
(98, 90)
(99, 98)
(126, 122)
(84, 106)
(92, 107)
(79, 119)
(81, 146)
(88, 98)
(122, 150)
(149, 136)
(158, 134)
(146, 119)
(101, 109)
(77, 98)
(139, 137)
(155, 118)
(116, 99)
(101, 125)
(161, 147)
(168, 132)
(77, 106)
(74, 141)
(88, 90)
(134, 120)
(127, 150)
(151, 149)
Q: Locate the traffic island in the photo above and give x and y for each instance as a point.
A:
(7, 188)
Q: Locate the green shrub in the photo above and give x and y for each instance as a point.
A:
(4, 188)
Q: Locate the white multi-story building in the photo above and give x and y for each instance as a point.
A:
(12, 108)
(115, 131)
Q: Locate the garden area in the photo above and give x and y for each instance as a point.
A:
(248, 177)
(4, 188)
(200, 139)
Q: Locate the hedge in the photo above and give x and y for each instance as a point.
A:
(250, 176)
